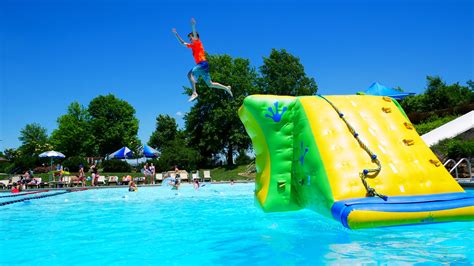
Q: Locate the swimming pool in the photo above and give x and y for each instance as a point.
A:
(219, 224)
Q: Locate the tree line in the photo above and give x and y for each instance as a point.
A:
(212, 129)
(439, 104)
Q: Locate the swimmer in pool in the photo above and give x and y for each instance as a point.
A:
(132, 187)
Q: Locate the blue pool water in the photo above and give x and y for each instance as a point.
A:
(219, 224)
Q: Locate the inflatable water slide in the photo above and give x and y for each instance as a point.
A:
(355, 158)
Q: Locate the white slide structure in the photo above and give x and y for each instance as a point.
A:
(450, 130)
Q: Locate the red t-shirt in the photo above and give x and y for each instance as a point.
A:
(198, 51)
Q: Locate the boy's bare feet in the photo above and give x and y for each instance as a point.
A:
(229, 91)
(193, 97)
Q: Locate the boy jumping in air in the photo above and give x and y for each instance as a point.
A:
(202, 66)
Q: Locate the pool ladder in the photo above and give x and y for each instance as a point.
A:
(455, 167)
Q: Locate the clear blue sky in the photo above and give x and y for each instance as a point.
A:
(57, 52)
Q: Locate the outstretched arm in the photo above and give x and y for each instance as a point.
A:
(193, 26)
(179, 37)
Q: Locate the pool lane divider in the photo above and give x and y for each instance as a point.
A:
(39, 196)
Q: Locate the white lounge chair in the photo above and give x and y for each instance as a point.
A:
(126, 180)
(101, 180)
(139, 179)
(14, 179)
(112, 180)
(66, 181)
(75, 181)
(183, 175)
(35, 182)
(159, 177)
(207, 176)
(4, 184)
(197, 176)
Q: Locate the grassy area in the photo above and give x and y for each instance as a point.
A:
(226, 173)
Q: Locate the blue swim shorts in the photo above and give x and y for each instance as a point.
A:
(202, 70)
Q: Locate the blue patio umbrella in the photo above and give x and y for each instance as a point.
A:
(381, 90)
(123, 153)
(149, 152)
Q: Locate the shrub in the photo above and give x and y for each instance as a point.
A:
(460, 149)
(72, 163)
(454, 149)
(432, 123)
(41, 169)
(21, 164)
(116, 166)
(3, 166)
(12, 169)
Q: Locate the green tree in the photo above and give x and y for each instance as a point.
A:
(73, 135)
(34, 140)
(113, 124)
(438, 95)
(177, 152)
(173, 145)
(213, 125)
(10, 154)
(166, 131)
(415, 103)
(470, 85)
(116, 166)
(283, 74)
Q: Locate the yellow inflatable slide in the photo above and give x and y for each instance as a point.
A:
(356, 158)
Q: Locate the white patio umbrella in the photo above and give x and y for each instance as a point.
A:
(52, 155)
